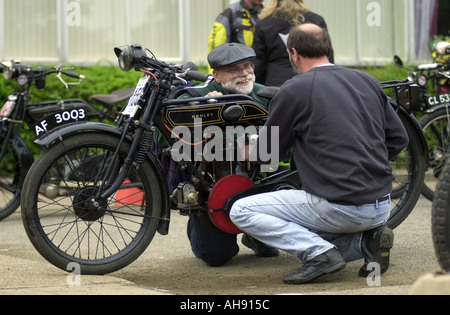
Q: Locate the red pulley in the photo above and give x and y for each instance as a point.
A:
(226, 188)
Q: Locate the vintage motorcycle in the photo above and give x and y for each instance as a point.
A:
(112, 192)
(18, 114)
(434, 85)
(440, 215)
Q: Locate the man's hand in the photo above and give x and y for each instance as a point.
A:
(213, 93)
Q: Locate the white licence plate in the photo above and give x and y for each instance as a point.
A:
(131, 107)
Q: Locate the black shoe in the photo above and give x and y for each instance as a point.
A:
(329, 262)
(260, 249)
(376, 246)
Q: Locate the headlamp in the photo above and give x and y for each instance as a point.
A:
(129, 57)
(11, 69)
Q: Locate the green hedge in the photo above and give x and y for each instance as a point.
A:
(99, 80)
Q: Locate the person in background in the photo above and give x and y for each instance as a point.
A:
(272, 66)
(236, 24)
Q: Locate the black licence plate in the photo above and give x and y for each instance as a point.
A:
(58, 119)
(438, 99)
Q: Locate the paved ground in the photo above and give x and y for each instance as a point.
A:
(169, 267)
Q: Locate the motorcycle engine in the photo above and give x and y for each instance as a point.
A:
(190, 197)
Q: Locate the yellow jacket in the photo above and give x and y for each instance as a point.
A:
(234, 25)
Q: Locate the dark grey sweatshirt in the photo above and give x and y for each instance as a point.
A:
(343, 130)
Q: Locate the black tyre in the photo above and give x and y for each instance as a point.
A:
(409, 171)
(436, 129)
(64, 221)
(441, 218)
(11, 179)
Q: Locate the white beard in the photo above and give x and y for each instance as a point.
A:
(233, 87)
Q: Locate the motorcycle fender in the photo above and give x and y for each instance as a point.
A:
(89, 126)
(437, 107)
(163, 227)
(403, 113)
(68, 130)
(25, 155)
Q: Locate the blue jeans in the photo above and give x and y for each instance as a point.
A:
(215, 249)
(306, 225)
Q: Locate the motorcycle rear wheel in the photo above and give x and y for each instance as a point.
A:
(11, 177)
(436, 129)
(441, 218)
(409, 171)
(67, 225)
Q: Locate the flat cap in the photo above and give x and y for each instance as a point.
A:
(230, 54)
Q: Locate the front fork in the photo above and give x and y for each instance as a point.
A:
(6, 134)
(117, 178)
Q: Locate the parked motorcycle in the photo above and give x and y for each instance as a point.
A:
(435, 115)
(18, 114)
(441, 54)
(440, 215)
(112, 192)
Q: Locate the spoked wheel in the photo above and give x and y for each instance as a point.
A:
(436, 128)
(441, 218)
(11, 178)
(409, 172)
(66, 220)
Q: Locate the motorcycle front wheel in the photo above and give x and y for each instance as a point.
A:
(68, 224)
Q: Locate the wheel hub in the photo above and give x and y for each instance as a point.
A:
(86, 206)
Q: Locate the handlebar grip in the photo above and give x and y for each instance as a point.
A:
(73, 74)
(198, 76)
(190, 65)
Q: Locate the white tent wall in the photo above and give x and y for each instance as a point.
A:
(86, 31)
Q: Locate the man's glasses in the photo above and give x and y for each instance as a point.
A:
(238, 70)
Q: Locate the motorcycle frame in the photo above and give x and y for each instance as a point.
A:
(152, 102)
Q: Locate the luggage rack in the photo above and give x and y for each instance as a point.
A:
(406, 93)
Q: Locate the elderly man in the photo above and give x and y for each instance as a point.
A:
(233, 74)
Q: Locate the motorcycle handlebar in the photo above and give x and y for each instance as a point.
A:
(67, 73)
(73, 75)
(198, 76)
